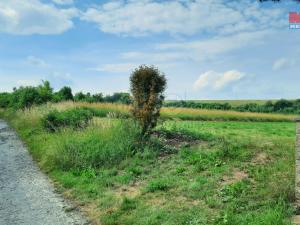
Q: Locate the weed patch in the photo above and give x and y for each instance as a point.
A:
(95, 148)
(158, 185)
(73, 118)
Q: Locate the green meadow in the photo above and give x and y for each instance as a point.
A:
(231, 102)
(199, 167)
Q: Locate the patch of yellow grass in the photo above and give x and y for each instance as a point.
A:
(166, 112)
(220, 114)
(109, 106)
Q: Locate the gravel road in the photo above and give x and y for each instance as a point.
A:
(26, 195)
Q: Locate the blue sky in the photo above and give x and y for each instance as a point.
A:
(208, 49)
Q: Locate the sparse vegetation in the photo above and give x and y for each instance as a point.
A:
(73, 118)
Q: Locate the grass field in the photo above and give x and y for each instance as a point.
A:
(231, 102)
(198, 172)
(182, 113)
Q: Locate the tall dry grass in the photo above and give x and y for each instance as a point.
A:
(183, 113)
(204, 114)
(119, 110)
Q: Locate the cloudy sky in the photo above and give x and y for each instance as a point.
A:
(208, 49)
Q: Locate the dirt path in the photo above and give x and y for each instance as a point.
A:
(26, 195)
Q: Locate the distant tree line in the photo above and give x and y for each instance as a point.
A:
(25, 97)
(279, 106)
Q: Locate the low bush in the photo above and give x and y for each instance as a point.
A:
(73, 118)
(110, 113)
(5, 100)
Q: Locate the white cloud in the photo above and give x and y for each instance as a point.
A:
(63, 2)
(135, 18)
(218, 44)
(205, 80)
(217, 81)
(199, 50)
(35, 61)
(227, 78)
(283, 63)
(34, 17)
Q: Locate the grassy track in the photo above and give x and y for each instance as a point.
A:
(236, 173)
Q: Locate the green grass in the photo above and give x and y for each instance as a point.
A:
(123, 111)
(231, 102)
(219, 115)
(238, 173)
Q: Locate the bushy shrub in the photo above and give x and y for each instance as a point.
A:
(45, 92)
(118, 97)
(147, 85)
(25, 97)
(5, 100)
(79, 97)
(64, 94)
(73, 118)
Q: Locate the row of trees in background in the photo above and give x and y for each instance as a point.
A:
(279, 106)
(25, 97)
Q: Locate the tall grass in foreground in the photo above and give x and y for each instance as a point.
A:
(96, 147)
(104, 143)
(238, 174)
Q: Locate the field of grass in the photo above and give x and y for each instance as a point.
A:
(231, 102)
(101, 109)
(219, 115)
(234, 173)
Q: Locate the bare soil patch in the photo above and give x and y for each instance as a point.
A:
(261, 158)
(237, 175)
(176, 140)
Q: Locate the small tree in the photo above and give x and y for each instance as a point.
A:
(65, 94)
(147, 85)
(79, 97)
(98, 97)
(25, 97)
(45, 91)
